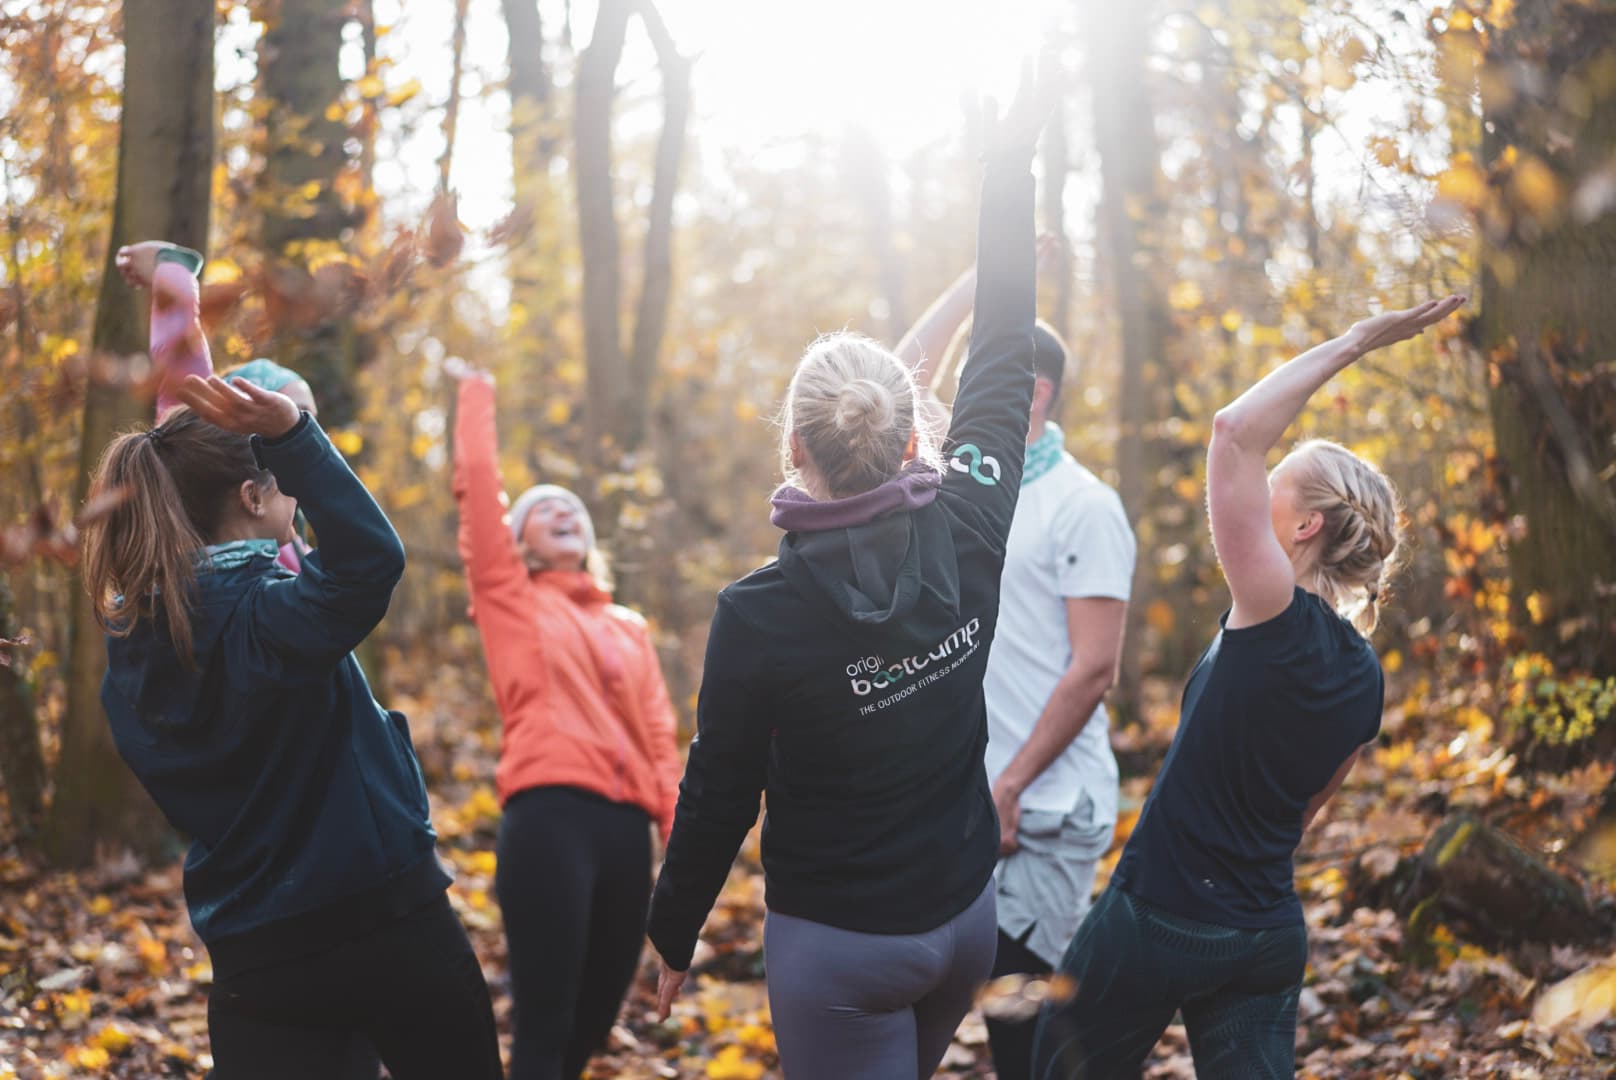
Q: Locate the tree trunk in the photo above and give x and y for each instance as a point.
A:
(532, 142)
(451, 109)
(305, 217)
(1057, 167)
(656, 289)
(867, 176)
(1548, 325)
(1492, 891)
(598, 239)
(165, 170)
(1125, 136)
(619, 383)
(22, 763)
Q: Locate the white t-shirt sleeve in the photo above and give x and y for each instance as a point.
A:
(1094, 547)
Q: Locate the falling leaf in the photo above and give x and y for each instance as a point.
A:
(445, 236)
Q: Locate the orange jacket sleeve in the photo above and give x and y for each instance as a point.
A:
(494, 568)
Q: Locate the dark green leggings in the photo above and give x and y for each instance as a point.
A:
(1136, 965)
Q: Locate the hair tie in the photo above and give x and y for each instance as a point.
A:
(155, 435)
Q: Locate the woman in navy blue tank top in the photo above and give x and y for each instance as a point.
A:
(1202, 915)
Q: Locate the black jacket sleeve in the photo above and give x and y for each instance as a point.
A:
(318, 617)
(987, 441)
(719, 795)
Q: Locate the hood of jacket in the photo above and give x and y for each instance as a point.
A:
(877, 559)
(156, 682)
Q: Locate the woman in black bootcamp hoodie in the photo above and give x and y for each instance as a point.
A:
(845, 679)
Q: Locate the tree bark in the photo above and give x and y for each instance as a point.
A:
(619, 383)
(22, 763)
(300, 80)
(598, 239)
(1125, 136)
(651, 318)
(165, 170)
(868, 176)
(1548, 325)
(532, 142)
(1057, 167)
(451, 109)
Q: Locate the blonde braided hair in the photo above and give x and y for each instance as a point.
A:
(1361, 533)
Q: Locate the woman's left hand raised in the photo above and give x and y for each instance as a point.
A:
(1390, 327)
(240, 406)
(668, 983)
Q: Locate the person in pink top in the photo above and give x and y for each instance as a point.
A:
(180, 348)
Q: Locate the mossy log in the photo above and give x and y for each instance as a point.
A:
(1492, 891)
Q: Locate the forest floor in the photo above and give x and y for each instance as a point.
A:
(101, 975)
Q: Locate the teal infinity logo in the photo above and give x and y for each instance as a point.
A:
(984, 468)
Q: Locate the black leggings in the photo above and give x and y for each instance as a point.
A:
(413, 989)
(1011, 1041)
(574, 882)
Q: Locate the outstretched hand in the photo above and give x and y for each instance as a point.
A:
(1016, 132)
(138, 262)
(460, 370)
(1390, 327)
(668, 983)
(239, 406)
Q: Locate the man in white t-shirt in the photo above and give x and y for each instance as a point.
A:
(1068, 568)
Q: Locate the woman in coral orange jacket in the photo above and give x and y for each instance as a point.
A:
(588, 760)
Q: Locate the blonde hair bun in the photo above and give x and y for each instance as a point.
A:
(864, 405)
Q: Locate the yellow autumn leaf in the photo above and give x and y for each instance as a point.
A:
(113, 1039)
(1537, 606)
(1535, 187)
(153, 954)
(221, 271)
(731, 1064)
(558, 412)
(1463, 184)
(1159, 616)
(371, 86)
(403, 93)
(89, 1057)
(1231, 320)
(481, 862)
(1580, 1001)
(1392, 661)
(1185, 296)
(347, 441)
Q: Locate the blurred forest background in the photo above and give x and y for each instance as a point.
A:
(637, 212)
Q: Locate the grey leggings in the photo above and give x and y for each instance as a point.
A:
(873, 1006)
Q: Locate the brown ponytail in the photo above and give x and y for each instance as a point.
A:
(174, 483)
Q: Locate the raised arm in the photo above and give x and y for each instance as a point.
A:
(923, 346)
(318, 617)
(1259, 572)
(486, 545)
(178, 346)
(987, 439)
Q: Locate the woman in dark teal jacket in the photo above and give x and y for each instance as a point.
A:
(233, 695)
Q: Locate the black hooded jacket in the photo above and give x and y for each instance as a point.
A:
(845, 679)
